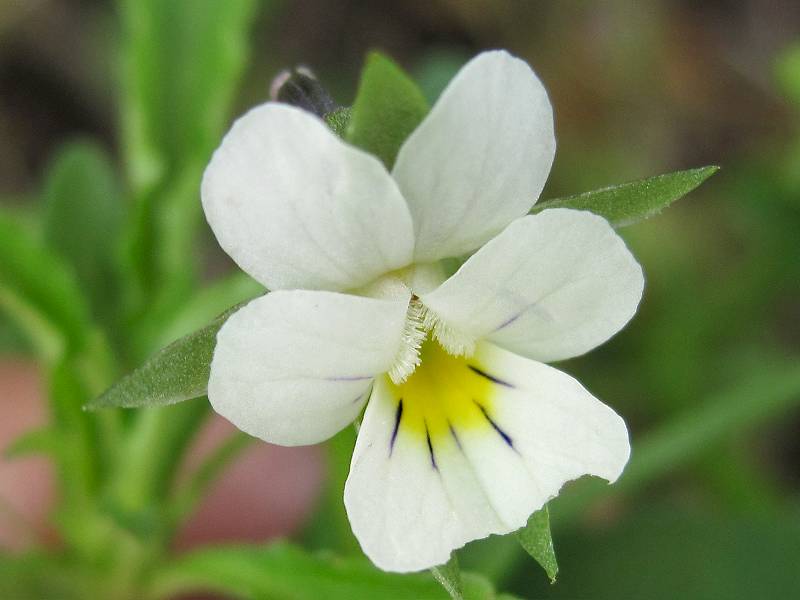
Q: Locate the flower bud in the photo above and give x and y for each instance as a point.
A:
(299, 87)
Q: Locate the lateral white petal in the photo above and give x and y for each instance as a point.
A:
(479, 159)
(295, 367)
(551, 286)
(296, 207)
(477, 468)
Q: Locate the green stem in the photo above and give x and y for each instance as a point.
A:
(154, 447)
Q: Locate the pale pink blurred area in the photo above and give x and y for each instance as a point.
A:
(266, 492)
(26, 483)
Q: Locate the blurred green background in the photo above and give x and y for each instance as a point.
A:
(708, 373)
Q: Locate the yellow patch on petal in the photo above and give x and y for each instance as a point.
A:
(445, 395)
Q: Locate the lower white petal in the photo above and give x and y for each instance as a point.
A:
(295, 367)
(470, 447)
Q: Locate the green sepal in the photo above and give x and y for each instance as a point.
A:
(449, 576)
(388, 107)
(537, 541)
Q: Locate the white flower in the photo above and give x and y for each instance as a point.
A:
(466, 431)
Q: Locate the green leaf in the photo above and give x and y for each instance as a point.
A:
(537, 541)
(82, 220)
(176, 373)
(388, 107)
(40, 292)
(449, 576)
(284, 572)
(631, 202)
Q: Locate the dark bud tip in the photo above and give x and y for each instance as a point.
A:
(299, 87)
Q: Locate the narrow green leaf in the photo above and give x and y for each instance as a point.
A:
(189, 495)
(285, 572)
(182, 61)
(176, 373)
(629, 203)
(537, 541)
(449, 576)
(82, 220)
(40, 293)
(35, 441)
(388, 107)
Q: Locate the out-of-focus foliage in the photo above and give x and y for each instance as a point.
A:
(101, 264)
(39, 291)
(83, 221)
(182, 61)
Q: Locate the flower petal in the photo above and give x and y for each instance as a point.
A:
(295, 367)
(479, 159)
(468, 448)
(551, 286)
(296, 207)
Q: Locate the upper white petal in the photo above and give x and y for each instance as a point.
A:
(479, 159)
(551, 286)
(296, 207)
(294, 367)
(412, 500)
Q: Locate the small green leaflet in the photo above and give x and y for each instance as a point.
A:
(388, 107)
(535, 538)
(449, 575)
(629, 203)
(176, 373)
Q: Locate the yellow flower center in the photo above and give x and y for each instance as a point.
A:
(445, 395)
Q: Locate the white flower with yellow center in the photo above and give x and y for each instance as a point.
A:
(466, 432)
